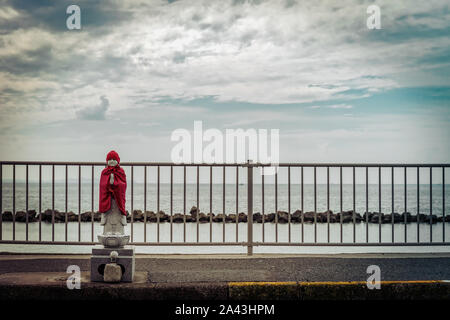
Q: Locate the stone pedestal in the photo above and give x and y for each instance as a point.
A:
(101, 257)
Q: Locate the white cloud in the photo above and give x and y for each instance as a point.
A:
(97, 112)
(340, 106)
(8, 13)
(260, 53)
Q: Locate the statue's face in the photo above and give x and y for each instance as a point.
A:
(112, 163)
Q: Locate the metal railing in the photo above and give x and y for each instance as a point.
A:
(286, 219)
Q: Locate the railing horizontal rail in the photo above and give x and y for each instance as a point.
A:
(284, 164)
(137, 243)
(244, 244)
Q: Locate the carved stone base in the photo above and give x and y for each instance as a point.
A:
(113, 240)
(101, 257)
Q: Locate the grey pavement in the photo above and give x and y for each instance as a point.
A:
(225, 268)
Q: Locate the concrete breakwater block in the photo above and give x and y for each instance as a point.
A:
(280, 216)
(101, 258)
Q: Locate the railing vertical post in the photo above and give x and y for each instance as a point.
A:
(158, 209)
(145, 203)
(276, 206)
(237, 204)
(367, 204)
(79, 201)
(65, 207)
(289, 204)
(250, 210)
(14, 202)
(210, 202)
(418, 205)
(92, 203)
(53, 202)
(132, 209)
(26, 200)
(262, 203)
(171, 203)
(1, 201)
(198, 205)
(354, 206)
(315, 206)
(340, 204)
(443, 203)
(328, 204)
(379, 204)
(302, 204)
(40, 202)
(392, 204)
(184, 204)
(406, 205)
(223, 204)
(431, 204)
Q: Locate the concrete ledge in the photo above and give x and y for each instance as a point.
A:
(197, 291)
(264, 290)
(357, 290)
(52, 286)
(390, 290)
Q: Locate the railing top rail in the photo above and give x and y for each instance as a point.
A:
(363, 165)
(284, 164)
(96, 163)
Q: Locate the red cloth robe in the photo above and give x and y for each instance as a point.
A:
(116, 190)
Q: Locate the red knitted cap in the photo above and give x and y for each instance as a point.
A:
(112, 155)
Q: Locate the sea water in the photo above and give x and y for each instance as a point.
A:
(230, 232)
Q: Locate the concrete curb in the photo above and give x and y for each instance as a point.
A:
(52, 286)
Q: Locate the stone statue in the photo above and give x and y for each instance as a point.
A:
(112, 191)
(113, 261)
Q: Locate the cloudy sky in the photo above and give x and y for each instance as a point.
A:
(137, 70)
